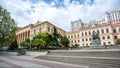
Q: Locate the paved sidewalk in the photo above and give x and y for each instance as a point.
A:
(7, 61)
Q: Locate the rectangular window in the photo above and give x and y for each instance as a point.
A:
(78, 41)
(114, 30)
(48, 29)
(107, 30)
(82, 39)
(74, 36)
(103, 37)
(39, 29)
(108, 37)
(82, 34)
(102, 31)
(78, 35)
(115, 37)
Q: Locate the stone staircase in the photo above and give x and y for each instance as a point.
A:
(91, 58)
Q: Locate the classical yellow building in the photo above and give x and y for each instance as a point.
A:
(45, 27)
(23, 33)
(108, 34)
(31, 30)
(108, 28)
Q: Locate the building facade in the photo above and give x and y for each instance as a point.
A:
(108, 33)
(29, 31)
(45, 27)
(23, 33)
(108, 28)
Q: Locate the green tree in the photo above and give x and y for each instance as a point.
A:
(22, 43)
(55, 38)
(64, 41)
(25, 43)
(40, 40)
(10, 38)
(7, 28)
(36, 42)
(118, 41)
(50, 41)
(76, 45)
(13, 45)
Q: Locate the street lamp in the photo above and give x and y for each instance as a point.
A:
(1, 17)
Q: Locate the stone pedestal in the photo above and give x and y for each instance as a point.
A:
(96, 44)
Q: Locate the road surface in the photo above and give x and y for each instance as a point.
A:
(8, 61)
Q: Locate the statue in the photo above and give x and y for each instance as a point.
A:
(95, 40)
(95, 36)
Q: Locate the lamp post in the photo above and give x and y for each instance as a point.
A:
(30, 43)
(1, 17)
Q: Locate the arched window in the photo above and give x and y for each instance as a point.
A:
(78, 35)
(103, 37)
(78, 41)
(39, 29)
(115, 37)
(48, 29)
(90, 39)
(102, 31)
(107, 30)
(108, 37)
(89, 33)
(82, 39)
(86, 39)
(104, 43)
(75, 41)
(85, 33)
(114, 30)
(109, 42)
(98, 31)
(71, 36)
(71, 41)
(82, 34)
(74, 36)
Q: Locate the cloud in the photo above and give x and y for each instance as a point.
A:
(58, 12)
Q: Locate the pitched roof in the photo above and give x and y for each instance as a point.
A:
(73, 31)
(115, 24)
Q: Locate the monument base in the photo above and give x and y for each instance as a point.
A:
(97, 47)
(96, 44)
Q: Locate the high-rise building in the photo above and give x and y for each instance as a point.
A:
(110, 17)
(75, 25)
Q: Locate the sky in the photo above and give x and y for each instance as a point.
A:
(58, 12)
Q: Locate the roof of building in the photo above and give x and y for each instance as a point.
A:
(73, 31)
(115, 24)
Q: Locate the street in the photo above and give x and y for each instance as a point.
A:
(7, 61)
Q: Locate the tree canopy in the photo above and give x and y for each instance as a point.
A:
(118, 41)
(40, 40)
(64, 41)
(7, 28)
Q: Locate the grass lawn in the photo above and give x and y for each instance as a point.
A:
(38, 50)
